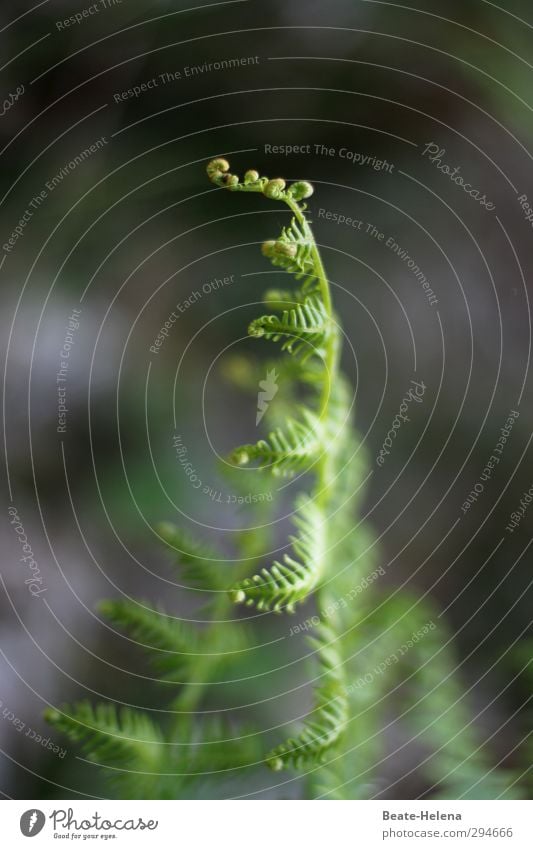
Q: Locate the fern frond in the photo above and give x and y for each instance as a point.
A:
(201, 566)
(177, 648)
(326, 724)
(125, 738)
(173, 644)
(304, 327)
(217, 744)
(289, 582)
(287, 450)
(292, 251)
(329, 784)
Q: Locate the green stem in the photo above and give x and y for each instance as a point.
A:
(331, 368)
(191, 694)
(317, 259)
(331, 357)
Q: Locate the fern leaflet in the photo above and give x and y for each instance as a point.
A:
(290, 581)
(304, 326)
(325, 726)
(287, 450)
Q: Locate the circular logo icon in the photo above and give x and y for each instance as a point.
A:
(32, 822)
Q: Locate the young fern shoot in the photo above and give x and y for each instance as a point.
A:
(331, 559)
(315, 441)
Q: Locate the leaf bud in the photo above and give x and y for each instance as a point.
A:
(251, 177)
(240, 456)
(237, 596)
(216, 168)
(287, 249)
(267, 248)
(301, 190)
(230, 180)
(274, 188)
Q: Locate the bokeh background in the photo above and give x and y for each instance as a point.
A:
(135, 228)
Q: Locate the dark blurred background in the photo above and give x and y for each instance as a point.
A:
(134, 228)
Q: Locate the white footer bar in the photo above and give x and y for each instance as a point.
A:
(268, 824)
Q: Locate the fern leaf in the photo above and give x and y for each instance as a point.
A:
(287, 450)
(217, 745)
(136, 760)
(304, 327)
(290, 581)
(327, 722)
(328, 782)
(125, 738)
(293, 252)
(174, 644)
(201, 566)
(177, 648)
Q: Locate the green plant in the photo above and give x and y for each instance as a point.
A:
(332, 562)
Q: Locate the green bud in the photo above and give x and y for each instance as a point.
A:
(287, 249)
(216, 168)
(239, 370)
(301, 190)
(256, 330)
(230, 180)
(274, 188)
(51, 715)
(251, 177)
(267, 248)
(240, 457)
(168, 531)
(278, 299)
(237, 596)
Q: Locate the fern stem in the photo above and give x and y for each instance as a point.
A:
(315, 253)
(331, 358)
